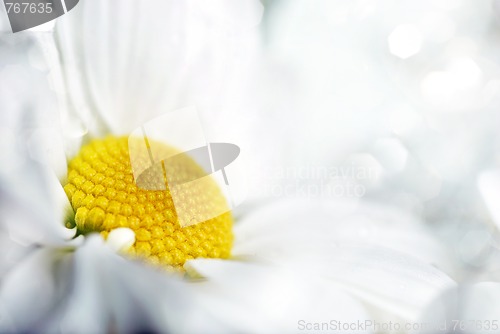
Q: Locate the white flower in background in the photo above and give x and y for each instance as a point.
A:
(119, 64)
(474, 305)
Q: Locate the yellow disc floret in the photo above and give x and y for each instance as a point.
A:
(104, 195)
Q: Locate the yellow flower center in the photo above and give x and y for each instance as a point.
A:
(105, 196)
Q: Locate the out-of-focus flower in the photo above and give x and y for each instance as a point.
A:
(119, 64)
(468, 308)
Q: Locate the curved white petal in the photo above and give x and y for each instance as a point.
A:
(11, 252)
(386, 279)
(30, 291)
(34, 206)
(471, 308)
(125, 61)
(45, 146)
(29, 122)
(92, 289)
(130, 297)
(121, 238)
(299, 226)
(258, 298)
(489, 186)
(381, 255)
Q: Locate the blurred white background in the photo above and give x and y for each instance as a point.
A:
(406, 90)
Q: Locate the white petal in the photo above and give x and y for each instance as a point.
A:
(269, 299)
(46, 146)
(290, 227)
(94, 290)
(34, 206)
(120, 239)
(123, 57)
(476, 307)
(107, 292)
(381, 255)
(387, 279)
(11, 252)
(29, 292)
(4, 22)
(489, 186)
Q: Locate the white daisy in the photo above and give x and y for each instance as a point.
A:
(293, 263)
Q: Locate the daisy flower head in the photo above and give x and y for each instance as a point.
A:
(93, 210)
